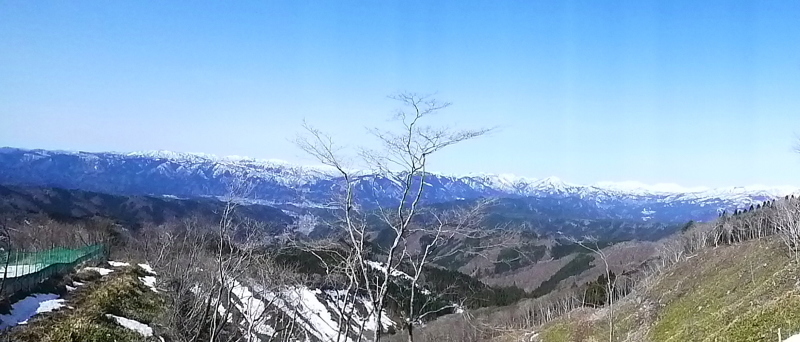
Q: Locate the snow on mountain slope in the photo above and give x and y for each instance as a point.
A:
(275, 170)
(314, 313)
(189, 175)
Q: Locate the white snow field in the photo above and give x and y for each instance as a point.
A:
(310, 308)
(150, 281)
(253, 310)
(28, 307)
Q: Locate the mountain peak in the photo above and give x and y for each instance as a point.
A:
(639, 187)
(460, 186)
(552, 180)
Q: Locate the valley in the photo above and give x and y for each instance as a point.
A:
(517, 250)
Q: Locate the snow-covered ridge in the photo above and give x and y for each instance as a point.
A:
(201, 157)
(509, 182)
(671, 188)
(286, 172)
(291, 175)
(198, 164)
(506, 182)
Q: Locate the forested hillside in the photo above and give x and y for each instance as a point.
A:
(734, 279)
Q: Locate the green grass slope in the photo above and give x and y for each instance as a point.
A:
(744, 292)
(120, 293)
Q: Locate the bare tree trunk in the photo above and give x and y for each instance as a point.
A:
(609, 285)
(407, 151)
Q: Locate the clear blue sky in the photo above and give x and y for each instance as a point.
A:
(688, 92)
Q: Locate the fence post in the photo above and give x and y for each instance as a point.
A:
(5, 271)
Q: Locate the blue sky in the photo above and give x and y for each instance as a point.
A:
(688, 92)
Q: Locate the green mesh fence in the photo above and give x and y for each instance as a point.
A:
(23, 270)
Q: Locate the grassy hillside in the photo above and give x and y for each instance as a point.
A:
(85, 317)
(744, 292)
(734, 279)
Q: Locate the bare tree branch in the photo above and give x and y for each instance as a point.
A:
(403, 154)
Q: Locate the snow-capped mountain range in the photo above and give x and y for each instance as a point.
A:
(277, 182)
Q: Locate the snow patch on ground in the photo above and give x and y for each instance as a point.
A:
(147, 269)
(395, 273)
(150, 282)
(253, 310)
(101, 270)
(314, 311)
(339, 301)
(136, 326)
(302, 304)
(118, 264)
(28, 307)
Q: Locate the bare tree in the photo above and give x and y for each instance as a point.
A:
(591, 244)
(404, 155)
(786, 219)
(207, 268)
(420, 248)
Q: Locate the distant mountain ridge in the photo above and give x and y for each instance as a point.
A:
(131, 211)
(168, 173)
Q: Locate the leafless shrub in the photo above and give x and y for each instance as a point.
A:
(39, 232)
(787, 224)
(488, 324)
(204, 267)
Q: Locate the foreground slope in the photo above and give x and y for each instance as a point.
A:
(734, 279)
(119, 304)
(745, 292)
